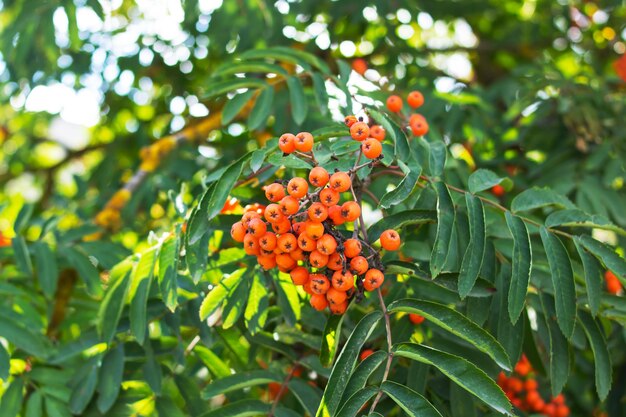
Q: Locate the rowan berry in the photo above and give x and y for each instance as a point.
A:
(373, 279)
(317, 212)
(283, 226)
(267, 262)
(371, 148)
(257, 227)
(307, 289)
(313, 229)
(326, 244)
(297, 187)
(306, 243)
(415, 99)
(319, 177)
(318, 302)
(286, 242)
(329, 197)
(350, 120)
(335, 262)
(515, 384)
(394, 103)
(418, 124)
(498, 190)
(251, 244)
(613, 285)
(298, 228)
(342, 281)
(286, 262)
(287, 143)
(352, 248)
(304, 142)
(289, 205)
(297, 254)
(416, 318)
(335, 296)
(359, 265)
(359, 65)
(299, 275)
(378, 133)
(268, 241)
(549, 410)
(317, 259)
(559, 399)
(350, 211)
(365, 354)
(274, 192)
(238, 232)
(390, 240)
(319, 283)
(561, 411)
(334, 213)
(340, 182)
(249, 215)
(359, 131)
(338, 308)
(273, 213)
(530, 385)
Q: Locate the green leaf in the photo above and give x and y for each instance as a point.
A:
(87, 272)
(356, 402)
(241, 408)
(258, 303)
(198, 223)
(362, 373)
(249, 66)
(319, 89)
(288, 299)
(110, 379)
(24, 215)
(445, 224)
(222, 87)
(151, 369)
(224, 186)
(410, 401)
(330, 339)
(82, 393)
(166, 407)
(168, 272)
(401, 143)
(475, 252)
(559, 348)
(139, 291)
(235, 302)
(535, 198)
(404, 188)
(399, 220)
(297, 100)
(34, 405)
(462, 372)
(24, 337)
(607, 256)
(593, 277)
(239, 381)
(289, 161)
(56, 408)
(282, 53)
(562, 281)
(214, 364)
(11, 400)
(22, 256)
(456, 323)
(345, 364)
(258, 157)
(5, 363)
(262, 108)
(483, 179)
(522, 264)
(461, 402)
(233, 107)
(216, 296)
(308, 396)
(578, 218)
(47, 269)
(437, 158)
(601, 355)
(113, 302)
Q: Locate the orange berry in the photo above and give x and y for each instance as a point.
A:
(561, 411)
(267, 262)
(297, 254)
(350, 120)
(268, 241)
(297, 227)
(343, 281)
(373, 279)
(283, 226)
(274, 192)
(338, 308)
(549, 410)
(287, 242)
(249, 215)
(289, 205)
(306, 243)
(318, 259)
(317, 212)
(371, 148)
(359, 65)
(352, 248)
(314, 230)
(522, 368)
(319, 283)
(497, 190)
(238, 232)
(299, 275)
(286, 262)
(334, 213)
(335, 262)
(318, 302)
(416, 318)
(359, 265)
(613, 285)
(515, 384)
(297, 187)
(251, 244)
(329, 197)
(377, 132)
(365, 354)
(530, 385)
(559, 399)
(502, 380)
(359, 131)
(326, 244)
(318, 177)
(415, 99)
(532, 396)
(394, 104)
(273, 213)
(418, 124)
(390, 240)
(335, 296)
(287, 143)
(350, 211)
(304, 141)
(257, 227)
(340, 182)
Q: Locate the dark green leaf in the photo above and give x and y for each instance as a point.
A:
(462, 372)
(410, 401)
(11, 400)
(402, 150)
(87, 272)
(152, 370)
(222, 87)
(456, 323)
(330, 339)
(47, 269)
(356, 402)
(483, 179)
(535, 198)
(399, 220)
(578, 218)
(81, 395)
(110, 380)
(239, 381)
(475, 252)
(559, 348)
(24, 338)
(445, 225)
(297, 99)
(601, 355)
(257, 158)
(24, 215)
(562, 281)
(22, 256)
(611, 260)
(168, 272)
(308, 396)
(404, 188)
(233, 107)
(34, 405)
(262, 108)
(437, 158)
(139, 291)
(166, 407)
(242, 408)
(363, 372)
(5, 363)
(522, 264)
(56, 408)
(319, 89)
(224, 186)
(593, 277)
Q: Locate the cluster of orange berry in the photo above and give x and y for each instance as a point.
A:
(613, 285)
(415, 99)
(297, 233)
(521, 389)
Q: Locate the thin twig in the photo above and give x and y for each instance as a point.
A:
(282, 389)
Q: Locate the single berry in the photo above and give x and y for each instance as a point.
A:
(415, 99)
(371, 148)
(329, 197)
(359, 131)
(350, 120)
(297, 187)
(352, 248)
(287, 143)
(238, 232)
(378, 133)
(416, 318)
(394, 104)
(274, 192)
(497, 190)
(390, 240)
(373, 279)
(304, 142)
(318, 177)
(340, 182)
